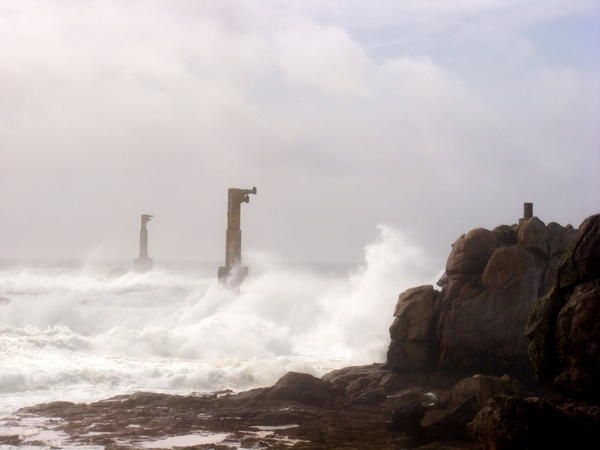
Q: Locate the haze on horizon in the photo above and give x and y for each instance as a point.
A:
(431, 117)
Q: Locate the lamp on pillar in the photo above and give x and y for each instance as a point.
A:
(233, 272)
(143, 262)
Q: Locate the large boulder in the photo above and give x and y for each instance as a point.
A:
(302, 388)
(412, 329)
(564, 325)
(471, 251)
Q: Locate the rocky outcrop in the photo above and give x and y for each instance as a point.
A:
(369, 385)
(564, 325)
(476, 323)
(297, 411)
(444, 414)
(302, 388)
(564, 333)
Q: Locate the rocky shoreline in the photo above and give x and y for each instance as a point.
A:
(505, 356)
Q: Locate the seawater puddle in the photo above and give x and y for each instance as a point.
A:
(37, 433)
(185, 440)
(274, 427)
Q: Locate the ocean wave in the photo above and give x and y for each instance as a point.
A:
(166, 330)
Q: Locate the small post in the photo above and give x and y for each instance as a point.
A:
(527, 210)
(143, 262)
(233, 238)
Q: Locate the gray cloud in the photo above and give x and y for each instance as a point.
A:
(110, 109)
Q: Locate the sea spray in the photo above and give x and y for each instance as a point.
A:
(74, 334)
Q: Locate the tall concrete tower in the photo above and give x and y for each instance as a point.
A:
(143, 262)
(233, 238)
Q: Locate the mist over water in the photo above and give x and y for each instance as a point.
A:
(75, 333)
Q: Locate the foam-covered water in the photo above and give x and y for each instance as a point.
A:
(75, 333)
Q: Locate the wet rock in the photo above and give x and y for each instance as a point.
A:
(471, 251)
(578, 341)
(348, 375)
(444, 414)
(410, 406)
(466, 398)
(370, 385)
(449, 445)
(511, 423)
(563, 330)
(302, 388)
(124, 421)
(482, 388)
(412, 330)
(11, 440)
(407, 417)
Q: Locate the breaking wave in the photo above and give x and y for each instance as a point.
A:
(77, 334)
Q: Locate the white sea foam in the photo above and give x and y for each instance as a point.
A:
(79, 335)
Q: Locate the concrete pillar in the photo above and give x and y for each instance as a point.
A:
(143, 262)
(233, 236)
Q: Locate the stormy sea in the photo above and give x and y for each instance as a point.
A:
(84, 331)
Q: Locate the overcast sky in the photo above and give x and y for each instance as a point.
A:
(432, 117)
